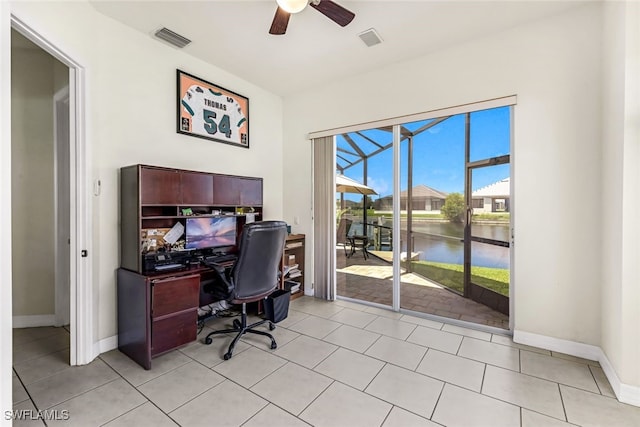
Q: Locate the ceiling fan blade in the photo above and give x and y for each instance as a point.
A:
(334, 11)
(280, 22)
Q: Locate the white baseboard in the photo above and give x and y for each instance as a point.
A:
(34, 321)
(107, 344)
(585, 351)
(624, 392)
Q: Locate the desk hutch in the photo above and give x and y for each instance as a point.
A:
(158, 311)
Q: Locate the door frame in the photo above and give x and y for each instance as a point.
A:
(82, 312)
(61, 167)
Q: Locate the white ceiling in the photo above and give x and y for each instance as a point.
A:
(233, 35)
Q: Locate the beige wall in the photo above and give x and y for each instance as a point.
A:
(130, 119)
(563, 132)
(5, 213)
(553, 66)
(32, 179)
(621, 191)
(576, 260)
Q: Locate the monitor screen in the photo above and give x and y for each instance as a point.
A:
(210, 232)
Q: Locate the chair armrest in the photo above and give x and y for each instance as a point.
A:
(223, 286)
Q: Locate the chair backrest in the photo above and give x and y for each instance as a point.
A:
(343, 230)
(255, 273)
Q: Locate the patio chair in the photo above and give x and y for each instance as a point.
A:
(359, 242)
(342, 234)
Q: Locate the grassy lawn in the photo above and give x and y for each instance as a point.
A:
(451, 276)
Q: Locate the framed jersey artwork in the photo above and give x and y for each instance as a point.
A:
(206, 110)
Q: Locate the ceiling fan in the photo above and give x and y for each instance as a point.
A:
(328, 8)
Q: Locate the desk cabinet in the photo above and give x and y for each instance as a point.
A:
(158, 186)
(196, 188)
(156, 313)
(237, 191)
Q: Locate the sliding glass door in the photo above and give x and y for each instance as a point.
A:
(450, 252)
(364, 216)
(432, 178)
(488, 199)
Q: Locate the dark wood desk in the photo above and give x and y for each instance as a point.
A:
(157, 313)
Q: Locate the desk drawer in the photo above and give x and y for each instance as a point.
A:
(174, 294)
(173, 331)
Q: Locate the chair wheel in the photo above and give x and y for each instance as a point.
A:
(271, 326)
(208, 340)
(274, 346)
(227, 356)
(237, 324)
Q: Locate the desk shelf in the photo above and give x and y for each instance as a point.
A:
(293, 254)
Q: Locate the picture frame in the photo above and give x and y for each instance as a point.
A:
(210, 111)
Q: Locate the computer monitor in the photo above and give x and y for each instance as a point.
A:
(210, 232)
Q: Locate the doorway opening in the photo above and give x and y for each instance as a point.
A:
(55, 199)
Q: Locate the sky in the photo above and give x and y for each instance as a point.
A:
(438, 154)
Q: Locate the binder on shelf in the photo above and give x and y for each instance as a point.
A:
(291, 286)
(296, 273)
(289, 268)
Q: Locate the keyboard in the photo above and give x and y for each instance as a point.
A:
(219, 259)
(164, 267)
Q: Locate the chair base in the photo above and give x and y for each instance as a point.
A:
(240, 327)
(358, 242)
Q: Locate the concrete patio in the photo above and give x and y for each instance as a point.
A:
(371, 280)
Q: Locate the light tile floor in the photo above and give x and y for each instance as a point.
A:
(337, 364)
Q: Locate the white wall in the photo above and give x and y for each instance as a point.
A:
(6, 336)
(576, 259)
(131, 114)
(553, 66)
(32, 181)
(621, 193)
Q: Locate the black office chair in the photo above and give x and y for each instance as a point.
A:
(253, 277)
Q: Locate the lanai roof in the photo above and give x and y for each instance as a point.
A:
(423, 191)
(497, 189)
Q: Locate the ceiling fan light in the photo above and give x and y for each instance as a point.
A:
(292, 6)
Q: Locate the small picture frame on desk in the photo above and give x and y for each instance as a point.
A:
(209, 111)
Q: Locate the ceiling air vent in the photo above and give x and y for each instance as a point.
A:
(370, 37)
(174, 38)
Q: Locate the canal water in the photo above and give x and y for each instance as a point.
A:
(441, 242)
